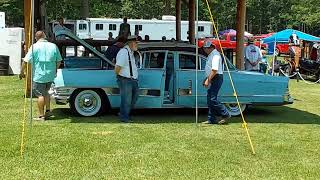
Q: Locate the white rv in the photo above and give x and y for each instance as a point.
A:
(99, 28)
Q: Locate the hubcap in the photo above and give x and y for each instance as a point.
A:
(234, 110)
(88, 103)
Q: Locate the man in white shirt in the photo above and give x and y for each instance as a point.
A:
(127, 77)
(252, 56)
(217, 112)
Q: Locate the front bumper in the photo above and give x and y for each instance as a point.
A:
(61, 95)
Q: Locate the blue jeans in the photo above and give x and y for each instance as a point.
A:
(129, 92)
(215, 108)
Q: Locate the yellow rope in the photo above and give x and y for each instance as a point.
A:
(24, 116)
(244, 123)
(23, 134)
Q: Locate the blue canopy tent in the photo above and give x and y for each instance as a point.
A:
(283, 37)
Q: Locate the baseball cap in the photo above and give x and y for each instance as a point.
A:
(132, 38)
(208, 44)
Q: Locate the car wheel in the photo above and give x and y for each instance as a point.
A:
(87, 102)
(234, 109)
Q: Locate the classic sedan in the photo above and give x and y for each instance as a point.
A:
(168, 78)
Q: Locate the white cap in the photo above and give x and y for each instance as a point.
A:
(207, 44)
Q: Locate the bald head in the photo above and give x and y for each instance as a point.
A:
(40, 35)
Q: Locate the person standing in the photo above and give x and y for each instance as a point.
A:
(127, 78)
(59, 27)
(110, 38)
(112, 51)
(45, 58)
(252, 56)
(125, 28)
(217, 112)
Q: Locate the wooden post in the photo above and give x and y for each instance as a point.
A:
(192, 16)
(178, 20)
(241, 13)
(28, 36)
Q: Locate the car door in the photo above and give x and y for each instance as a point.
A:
(152, 79)
(186, 81)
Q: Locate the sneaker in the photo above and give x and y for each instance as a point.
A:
(223, 120)
(49, 114)
(40, 118)
(206, 122)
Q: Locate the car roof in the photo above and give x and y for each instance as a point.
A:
(170, 46)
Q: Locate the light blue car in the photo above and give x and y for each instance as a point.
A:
(167, 79)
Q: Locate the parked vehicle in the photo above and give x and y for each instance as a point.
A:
(98, 28)
(167, 79)
(282, 48)
(228, 41)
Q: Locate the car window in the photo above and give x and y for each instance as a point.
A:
(230, 65)
(187, 61)
(154, 59)
(204, 61)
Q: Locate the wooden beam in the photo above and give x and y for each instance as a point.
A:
(192, 16)
(241, 16)
(28, 36)
(178, 20)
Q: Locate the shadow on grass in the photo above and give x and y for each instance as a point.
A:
(262, 114)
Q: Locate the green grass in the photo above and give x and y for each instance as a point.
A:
(162, 144)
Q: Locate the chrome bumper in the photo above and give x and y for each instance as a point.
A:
(61, 95)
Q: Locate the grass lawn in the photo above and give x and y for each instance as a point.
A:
(162, 144)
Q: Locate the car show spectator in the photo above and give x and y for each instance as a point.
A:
(264, 62)
(110, 38)
(125, 28)
(112, 51)
(45, 58)
(127, 78)
(217, 112)
(252, 56)
(59, 27)
(136, 33)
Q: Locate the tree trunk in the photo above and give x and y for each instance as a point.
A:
(167, 7)
(84, 10)
(241, 16)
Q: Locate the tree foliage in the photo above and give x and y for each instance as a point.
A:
(262, 15)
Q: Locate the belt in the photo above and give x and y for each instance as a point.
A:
(122, 77)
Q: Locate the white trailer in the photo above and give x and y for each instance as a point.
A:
(99, 28)
(11, 40)
(155, 29)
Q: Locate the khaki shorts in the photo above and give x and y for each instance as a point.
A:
(41, 89)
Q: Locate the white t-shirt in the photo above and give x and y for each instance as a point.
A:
(122, 60)
(214, 62)
(253, 54)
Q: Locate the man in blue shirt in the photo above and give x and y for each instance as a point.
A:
(45, 58)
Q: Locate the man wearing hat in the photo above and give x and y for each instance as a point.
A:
(252, 56)
(217, 112)
(127, 77)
